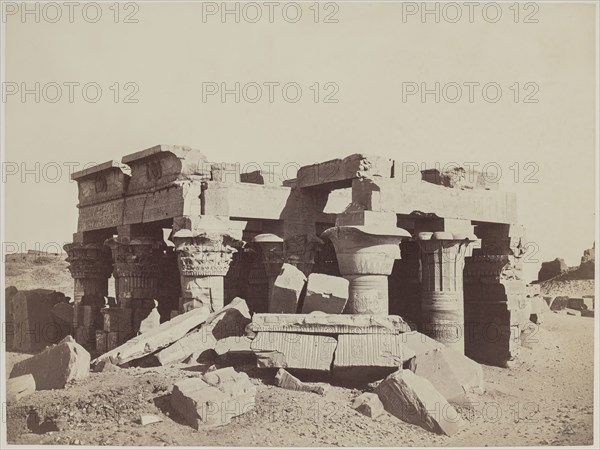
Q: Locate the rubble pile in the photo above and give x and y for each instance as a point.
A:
(398, 288)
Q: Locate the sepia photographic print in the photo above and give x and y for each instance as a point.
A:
(299, 224)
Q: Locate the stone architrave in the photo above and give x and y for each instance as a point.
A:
(366, 245)
(442, 264)
(205, 247)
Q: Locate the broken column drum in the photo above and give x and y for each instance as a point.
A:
(204, 254)
(442, 263)
(366, 257)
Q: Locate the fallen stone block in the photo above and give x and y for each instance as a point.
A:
(64, 311)
(416, 343)
(286, 380)
(325, 293)
(587, 313)
(369, 350)
(147, 419)
(106, 366)
(19, 387)
(34, 325)
(234, 345)
(151, 321)
(576, 303)
(228, 321)
(573, 312)
(328, 323)
(296, 351)
(154, 340)
(56, 366)
(215, 399)
(589, 301)
(559, 303)
(415, 400)
(286, 290)
(454, 375)
(368, 404)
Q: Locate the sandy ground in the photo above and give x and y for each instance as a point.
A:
(546, 398)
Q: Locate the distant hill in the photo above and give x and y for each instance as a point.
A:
(573, 281)
(43, 271)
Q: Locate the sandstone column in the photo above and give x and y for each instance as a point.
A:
(266, 257)
(366, 245)
(205, 247)
(90, 267)
(442, 263)
(136, 267)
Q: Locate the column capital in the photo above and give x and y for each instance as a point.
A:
(88, 260)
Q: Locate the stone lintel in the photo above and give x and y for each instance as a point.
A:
(422, 199)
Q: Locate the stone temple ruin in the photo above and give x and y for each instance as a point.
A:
(442, 254)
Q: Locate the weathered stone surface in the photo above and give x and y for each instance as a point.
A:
(106, 366)
(229, 321)
(150, 342)
(415, 400)
(9, 320)
(151, 321)
(56, 366)
(34, 325)
(587, 267)
(573, 312)
(369, 350)
(63, 311)
(215, 399)
(286, 291)
(339, 173)
(581, 303)
(286, 380)
(454, 375)
(325, 293)
(460, 178)
(416, 343)
(329, 323)
(147, 419)
(368, 404)
(550, 269)
(296, 351)
(559, 303)
(234, 345)
(19, 387)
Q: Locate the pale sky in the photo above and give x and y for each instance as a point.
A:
(369, 57)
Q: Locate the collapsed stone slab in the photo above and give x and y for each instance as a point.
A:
(369, 350)
(454, 375)
(368, 404)
(215, 399)
(325, 293)
(328, 323)
(154, 340)
(56, 366)
(296, 351)
(286, 290)
(236, 345)
(231, 320)
(286, 380)
(415, 400)
(19, 387)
